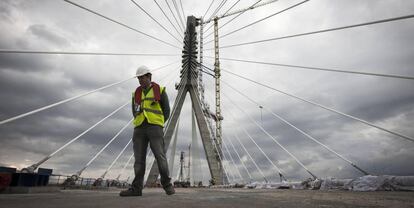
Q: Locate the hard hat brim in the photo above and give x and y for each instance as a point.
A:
(140, 75)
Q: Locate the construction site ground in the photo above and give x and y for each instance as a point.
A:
(205, 197)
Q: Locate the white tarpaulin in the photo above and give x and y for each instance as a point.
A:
(364, 183)
(371, 183)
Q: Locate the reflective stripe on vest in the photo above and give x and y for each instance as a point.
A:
(149, 109)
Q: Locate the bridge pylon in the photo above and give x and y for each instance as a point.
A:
(189, 83)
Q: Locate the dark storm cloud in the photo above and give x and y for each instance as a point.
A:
(6, 8)
(24, 63)
(21, 62)
(18, 98)
(44, 33)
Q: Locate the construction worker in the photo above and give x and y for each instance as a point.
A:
(150, 108)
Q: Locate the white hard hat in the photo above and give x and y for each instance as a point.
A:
(142, 70)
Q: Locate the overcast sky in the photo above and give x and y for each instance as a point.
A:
(31, 81)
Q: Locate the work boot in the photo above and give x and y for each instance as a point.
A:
(169, 189)
(131, 192)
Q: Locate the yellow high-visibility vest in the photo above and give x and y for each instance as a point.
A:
(149, 109)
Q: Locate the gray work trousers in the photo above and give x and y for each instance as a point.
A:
(154, 135)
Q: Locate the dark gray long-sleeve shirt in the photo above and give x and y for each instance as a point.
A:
(165, 105)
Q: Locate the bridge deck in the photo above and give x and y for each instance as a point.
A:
(210, 198)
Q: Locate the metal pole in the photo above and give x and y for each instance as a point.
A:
(189, 164)
(200, 74)
(217, 78)
(261, 114)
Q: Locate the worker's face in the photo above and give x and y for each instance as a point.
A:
(145, 80)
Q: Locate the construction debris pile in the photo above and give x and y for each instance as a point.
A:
(364, 183)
